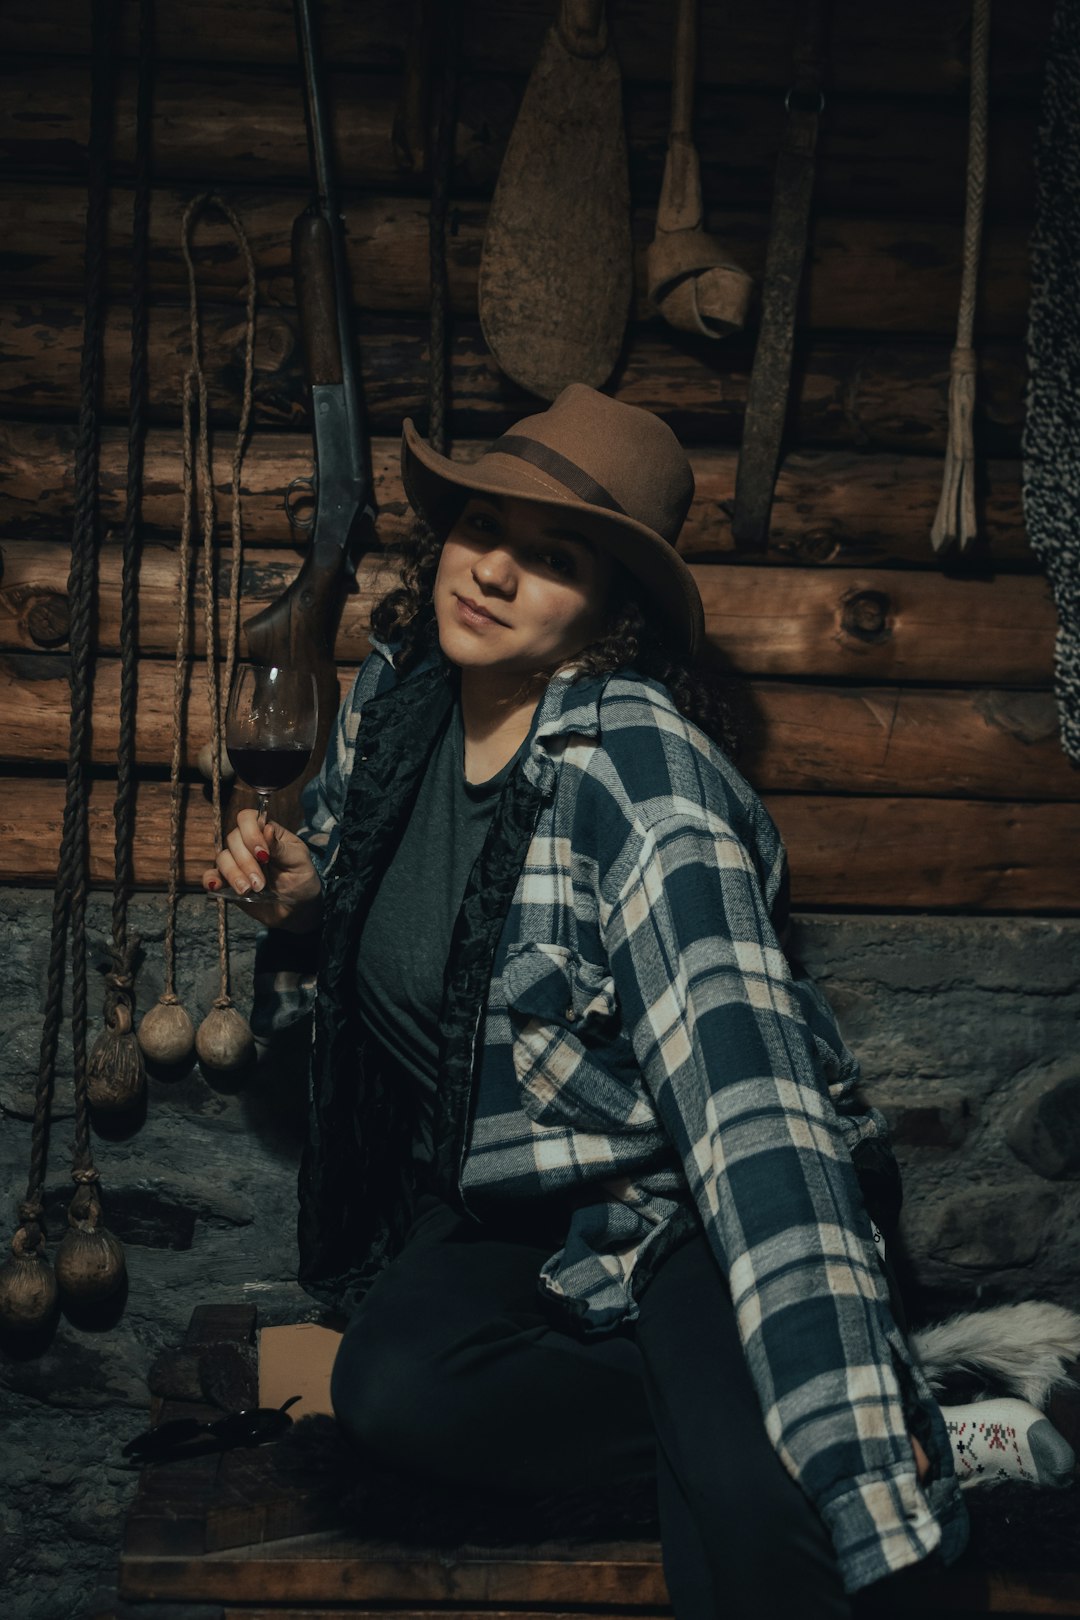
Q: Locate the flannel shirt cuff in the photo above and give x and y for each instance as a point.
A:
(887, 1521)
(284, 980)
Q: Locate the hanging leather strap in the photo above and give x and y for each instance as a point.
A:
(766, 404)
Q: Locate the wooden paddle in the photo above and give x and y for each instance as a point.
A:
(556, 273)
(694, 281)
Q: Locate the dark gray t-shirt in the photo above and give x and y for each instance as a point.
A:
(405, 941)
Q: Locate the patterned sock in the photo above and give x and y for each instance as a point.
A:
(999, 1440)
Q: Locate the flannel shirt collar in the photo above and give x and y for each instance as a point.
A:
(567, 708)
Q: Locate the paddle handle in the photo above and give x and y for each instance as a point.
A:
(581, 27)
(683, 68)
(679, 207)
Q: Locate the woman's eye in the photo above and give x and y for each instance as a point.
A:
(483, 522)
(560, 562)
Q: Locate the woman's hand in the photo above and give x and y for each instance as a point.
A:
(922, 1461)
(273, 869)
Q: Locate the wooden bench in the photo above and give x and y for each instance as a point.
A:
(222, 1536)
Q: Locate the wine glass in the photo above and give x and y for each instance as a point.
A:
(271, 726)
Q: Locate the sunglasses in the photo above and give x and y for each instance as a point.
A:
(188, 1437)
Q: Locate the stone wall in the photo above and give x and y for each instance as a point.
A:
(965, 1027)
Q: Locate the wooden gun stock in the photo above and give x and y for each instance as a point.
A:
(300, 627)
(313, 275)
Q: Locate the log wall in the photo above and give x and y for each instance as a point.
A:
(897, 714)
(898, 717)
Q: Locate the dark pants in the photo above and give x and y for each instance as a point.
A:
(454, 1369)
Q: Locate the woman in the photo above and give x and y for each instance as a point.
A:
(581, 1165)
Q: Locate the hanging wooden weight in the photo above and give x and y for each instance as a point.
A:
(89, 1260)
(115, 1074)
(166, 1033)
(28, 1290)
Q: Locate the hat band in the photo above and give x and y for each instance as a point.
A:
(576, 480)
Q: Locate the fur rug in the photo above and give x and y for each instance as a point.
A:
(1026, 1350)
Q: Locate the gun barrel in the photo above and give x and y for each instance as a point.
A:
(328, 205)
(314, 106)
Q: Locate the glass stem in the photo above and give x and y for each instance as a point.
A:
(264, 805)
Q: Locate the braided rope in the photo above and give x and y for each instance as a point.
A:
(183, 620)
(955, 520)
(195, 386)
(119, 981)
(69, 897)
(441, 174)
(976, 170)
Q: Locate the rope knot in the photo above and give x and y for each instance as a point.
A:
(85, 1177)
(28, 1241)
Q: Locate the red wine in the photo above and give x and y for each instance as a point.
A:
(267, 768)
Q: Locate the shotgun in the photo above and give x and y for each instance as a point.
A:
(300, 626)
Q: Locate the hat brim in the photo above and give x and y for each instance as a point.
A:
(438, 487)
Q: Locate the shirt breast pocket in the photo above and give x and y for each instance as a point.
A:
(570, 1058)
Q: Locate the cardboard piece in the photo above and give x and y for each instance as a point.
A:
(297, 1360)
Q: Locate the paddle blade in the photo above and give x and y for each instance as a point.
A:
(556, 273)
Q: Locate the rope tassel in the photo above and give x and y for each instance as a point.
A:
(115, 1073)
(954, 524)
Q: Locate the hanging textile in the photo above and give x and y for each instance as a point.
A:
(1051, 442)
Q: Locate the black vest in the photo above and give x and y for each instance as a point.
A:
(357, 1180)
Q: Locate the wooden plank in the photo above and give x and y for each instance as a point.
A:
(318, 1570)
(214, 124)
(845, 393)
(247, 1612)
(834, 507)
(626, 1573)
(941, 1596)
(906, 741)
(869, 853)
(928, 854)
(869, 626)
(877, 626)
(919, 48)
(982, 743)
(859, 267)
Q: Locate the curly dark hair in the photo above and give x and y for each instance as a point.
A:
(632, 640)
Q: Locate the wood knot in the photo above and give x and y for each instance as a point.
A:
(865, 616)
(817, 546)
(48, 621)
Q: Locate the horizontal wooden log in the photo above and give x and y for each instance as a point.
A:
(864, 273)
(875, 395)
(846, 852)
(839, 507)
(904, 740)
(866, 626)
(923, 47)
(981, 743)
(223, 124)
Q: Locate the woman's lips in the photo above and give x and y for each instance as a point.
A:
(472, 613)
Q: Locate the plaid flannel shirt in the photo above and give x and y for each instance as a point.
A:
(647, 1046)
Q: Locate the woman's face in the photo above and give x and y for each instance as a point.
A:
(518, 590)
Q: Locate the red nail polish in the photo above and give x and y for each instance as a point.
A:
(262, 856)
(213, 884)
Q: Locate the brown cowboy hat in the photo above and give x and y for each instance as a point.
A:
(618, 468)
